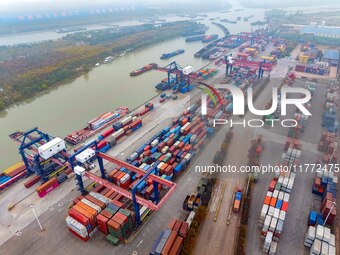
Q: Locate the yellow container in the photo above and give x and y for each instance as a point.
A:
(12, 168)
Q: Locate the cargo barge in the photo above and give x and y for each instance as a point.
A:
(143, 69)
(172, 54)
(196, 32)
(96, 125)
(12, 174)
(194, 38)
(209, 38)
(228, 21)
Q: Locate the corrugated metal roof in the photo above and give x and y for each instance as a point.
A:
(332, 54)
(321, 30)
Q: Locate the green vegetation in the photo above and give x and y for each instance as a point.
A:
(194, 230)
(29, 69)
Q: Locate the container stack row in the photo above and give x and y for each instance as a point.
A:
(170, 241)
(320, 240)
(104, 211)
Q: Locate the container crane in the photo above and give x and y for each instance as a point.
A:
(30, 141)
(137, 200)
(176, 78)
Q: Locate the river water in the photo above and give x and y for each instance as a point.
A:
(106, 87)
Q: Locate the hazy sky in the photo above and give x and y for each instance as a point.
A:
(12, 6)
(16, 6)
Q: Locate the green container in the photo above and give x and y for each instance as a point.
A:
(112, 240)
(116, 233)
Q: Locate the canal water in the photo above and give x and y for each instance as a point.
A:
(106, 87)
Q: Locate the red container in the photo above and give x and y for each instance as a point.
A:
(80, 218)
(330, 211)
(108, 132)
(80, 237)
(32, 181)
(136, 123)
(101, 144)
(95, 201)
(98, 188)
(169, 243)
(16, 171)
(172, 223)
(106, 214)
(102, 224)
(183, 232)
(176, 248)
(177, 226)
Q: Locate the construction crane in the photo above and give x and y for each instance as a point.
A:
(176, 78)
(30, 141)
(137, 200)
(258, 65)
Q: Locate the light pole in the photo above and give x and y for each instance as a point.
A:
(334, 205)
(36, 217)
(335, 147)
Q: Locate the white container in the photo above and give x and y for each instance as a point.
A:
(273, 224)
(264, 211)
(126, 120)
(332, 241)
(275, 193)
(319, 232)
(276, 213)
(85, 155)
(286, 197)
(269, 194)
(165, 149)
(271, 211)
(331, 250)
(154, 143)
(324, 248)
(281, 195)
(327, 235)
(51, 148)
(118, 133)
(282, 215)
(273, 248)
(316, 247)
(76, 226)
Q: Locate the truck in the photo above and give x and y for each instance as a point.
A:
(237, 201)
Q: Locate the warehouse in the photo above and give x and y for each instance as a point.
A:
(332, 57)
(322, 31)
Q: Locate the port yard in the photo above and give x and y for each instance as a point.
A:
(52, 209)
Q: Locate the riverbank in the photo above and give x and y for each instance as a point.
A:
(27, 71)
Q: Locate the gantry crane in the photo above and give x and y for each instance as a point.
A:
(137, 200)
(30, 141)
(176, 79)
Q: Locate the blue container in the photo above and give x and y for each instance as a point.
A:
(312, 218)
(62, 178)
(178, 168)
(153, 150)
(140, 151)
(135, 163)
(105, 148)
(100, 138)
(155, 244)
(116, 126)
(141, 186)
(319, 219)
(278, 204)
(113, 207)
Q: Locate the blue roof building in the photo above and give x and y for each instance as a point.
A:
(322, 31)
(332, 57)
